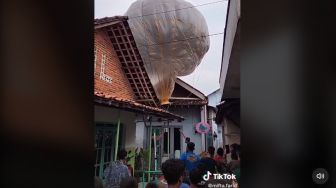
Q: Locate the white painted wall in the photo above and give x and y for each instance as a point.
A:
(139, 135)
(192, 116)
(232, 20)
(231, 132)
(219, 140)
(214, 99)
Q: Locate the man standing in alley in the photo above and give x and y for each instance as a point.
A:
(117, 171)
(190, 159)
(173, 171)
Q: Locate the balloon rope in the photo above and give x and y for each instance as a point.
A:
(182, 134)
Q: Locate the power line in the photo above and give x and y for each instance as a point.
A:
(177, 9)
(157, 44)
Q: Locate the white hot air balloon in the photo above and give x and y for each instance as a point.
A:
(172, 38)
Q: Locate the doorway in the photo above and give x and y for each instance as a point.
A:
(168, 143)
(173, 141)
(177, 142)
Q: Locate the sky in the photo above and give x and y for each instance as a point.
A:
(205, 78)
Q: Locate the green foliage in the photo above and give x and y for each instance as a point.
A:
(141, 162)
(141, 159)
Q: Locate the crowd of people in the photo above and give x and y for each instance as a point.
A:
(186, 172)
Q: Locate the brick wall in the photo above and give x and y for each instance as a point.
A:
(110, 78)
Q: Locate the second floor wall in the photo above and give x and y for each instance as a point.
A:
(109, 76)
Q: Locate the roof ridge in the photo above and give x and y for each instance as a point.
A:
(104, 20)
(191, 86)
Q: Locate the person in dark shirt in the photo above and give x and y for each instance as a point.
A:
(128, 182)
(152, 185)
(173, 170)
(208, 162)
(196, 178)
(211, 151)
(235, 162)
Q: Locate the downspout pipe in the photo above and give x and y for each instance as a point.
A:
(117, 138)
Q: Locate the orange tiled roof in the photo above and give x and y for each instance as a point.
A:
(105, 20)
(120, 102)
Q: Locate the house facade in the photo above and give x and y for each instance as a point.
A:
(214, 99)
(128, 113)
(170, 138)
(123, 94)
(228, 111)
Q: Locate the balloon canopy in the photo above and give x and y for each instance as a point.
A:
(172, 38)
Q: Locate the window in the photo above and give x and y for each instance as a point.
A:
(105, 140)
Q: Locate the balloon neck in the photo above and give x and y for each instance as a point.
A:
(164, 101)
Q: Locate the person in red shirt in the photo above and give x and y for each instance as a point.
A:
(220, 159)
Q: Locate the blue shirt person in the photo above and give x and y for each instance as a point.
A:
(190, 159)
